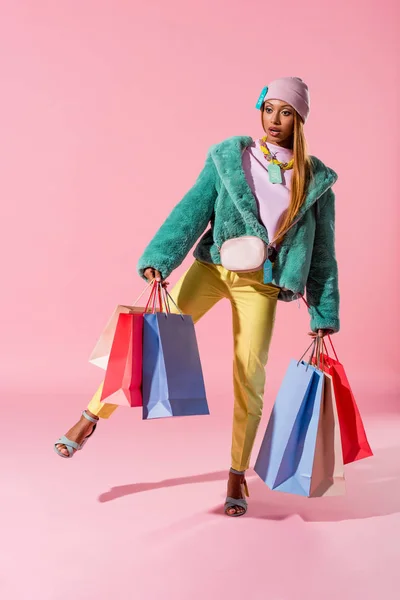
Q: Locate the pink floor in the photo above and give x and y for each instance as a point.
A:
(138, 514)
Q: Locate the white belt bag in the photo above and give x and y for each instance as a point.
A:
(246, 253)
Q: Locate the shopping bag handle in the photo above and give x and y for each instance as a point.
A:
(152, 297)
(328, 355)
(144, 291)
(334, 351)
(313, 343)
(329, 337)
(158, 292)
(319, 357)
(167, 298)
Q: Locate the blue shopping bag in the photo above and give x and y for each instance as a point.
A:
(173, 383)
(286, 457)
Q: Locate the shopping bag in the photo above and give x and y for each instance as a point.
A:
(123, 379)
(354, 438)
(301, 452)
(101, 352)
(328, 468)
(173, 383)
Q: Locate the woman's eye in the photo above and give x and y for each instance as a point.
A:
(287, 113)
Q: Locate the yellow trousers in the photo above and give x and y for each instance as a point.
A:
(253, 311)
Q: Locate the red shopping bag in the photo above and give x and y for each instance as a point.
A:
(123, 380)
(354, 439)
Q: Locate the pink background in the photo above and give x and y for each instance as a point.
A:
(107, 110)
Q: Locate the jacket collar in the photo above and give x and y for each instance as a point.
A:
(227, 157)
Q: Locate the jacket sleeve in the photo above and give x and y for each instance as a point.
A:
(184, 225)
(322, 284)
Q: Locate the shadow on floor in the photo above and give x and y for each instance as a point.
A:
(373, 489)
(136, 488)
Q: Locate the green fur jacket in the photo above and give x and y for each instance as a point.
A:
(221, 198)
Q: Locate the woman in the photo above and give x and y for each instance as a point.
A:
(272, 190)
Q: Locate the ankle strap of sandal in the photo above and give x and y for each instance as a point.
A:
(237, 472)
(88, 417)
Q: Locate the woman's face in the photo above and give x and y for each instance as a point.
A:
(278, 122)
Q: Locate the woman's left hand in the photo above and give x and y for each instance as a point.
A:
(321, 333)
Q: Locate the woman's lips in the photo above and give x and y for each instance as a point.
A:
(274, 132)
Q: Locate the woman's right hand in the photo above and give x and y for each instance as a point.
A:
(151, 273)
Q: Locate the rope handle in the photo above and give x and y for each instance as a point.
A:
(317, 351)
(167, 298)
(320, 360)
(329, 337)
(313, 343)
(142, 293)
(151, 297)
(155, 295)
(160, 293)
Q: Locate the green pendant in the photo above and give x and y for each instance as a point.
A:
(274, 172)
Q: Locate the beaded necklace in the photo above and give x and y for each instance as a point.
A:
(275, 166)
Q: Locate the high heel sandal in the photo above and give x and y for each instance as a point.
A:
(240, 502)
(71, 446)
